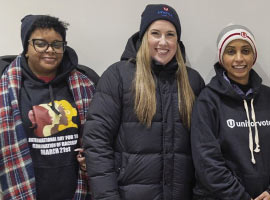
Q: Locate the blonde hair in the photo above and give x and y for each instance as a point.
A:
(145, 87)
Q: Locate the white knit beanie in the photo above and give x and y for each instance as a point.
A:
(234, 32)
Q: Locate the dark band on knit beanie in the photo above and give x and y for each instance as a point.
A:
(154, 12)
(26, 28)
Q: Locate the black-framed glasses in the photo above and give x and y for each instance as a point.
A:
(42, 46)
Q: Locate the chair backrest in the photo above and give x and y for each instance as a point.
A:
(5, 61)
(90, 73)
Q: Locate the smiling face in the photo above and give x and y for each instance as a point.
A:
(46, 63)
(162, 41)
(238, 59)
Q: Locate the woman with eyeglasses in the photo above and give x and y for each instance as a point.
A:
(43, 102)
(136, 137)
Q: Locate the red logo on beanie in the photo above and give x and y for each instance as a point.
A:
(166, 9)
(243, 34)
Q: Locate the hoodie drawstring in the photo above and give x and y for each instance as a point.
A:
(257, 149)
(52, 99)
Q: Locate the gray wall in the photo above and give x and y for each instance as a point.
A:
(99, 29)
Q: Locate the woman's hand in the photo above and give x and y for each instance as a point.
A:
(264, 196)
(81, 158)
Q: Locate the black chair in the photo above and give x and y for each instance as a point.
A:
(5, 61)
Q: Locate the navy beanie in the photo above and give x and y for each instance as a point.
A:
(154, 12)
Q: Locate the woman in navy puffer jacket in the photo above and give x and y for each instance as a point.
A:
(136, 136)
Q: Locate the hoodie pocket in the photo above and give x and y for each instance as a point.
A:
(255, 185)
(233, 168)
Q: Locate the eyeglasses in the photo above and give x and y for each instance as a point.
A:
(42, 46)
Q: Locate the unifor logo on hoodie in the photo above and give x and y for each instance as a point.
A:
(232, 123)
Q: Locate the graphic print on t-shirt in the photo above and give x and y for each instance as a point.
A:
(46, 122)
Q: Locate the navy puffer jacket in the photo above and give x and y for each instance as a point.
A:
(125, 159)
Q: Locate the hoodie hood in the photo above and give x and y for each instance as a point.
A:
(219, 84)
(134, 44)
(69, 63)
(132, 47)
